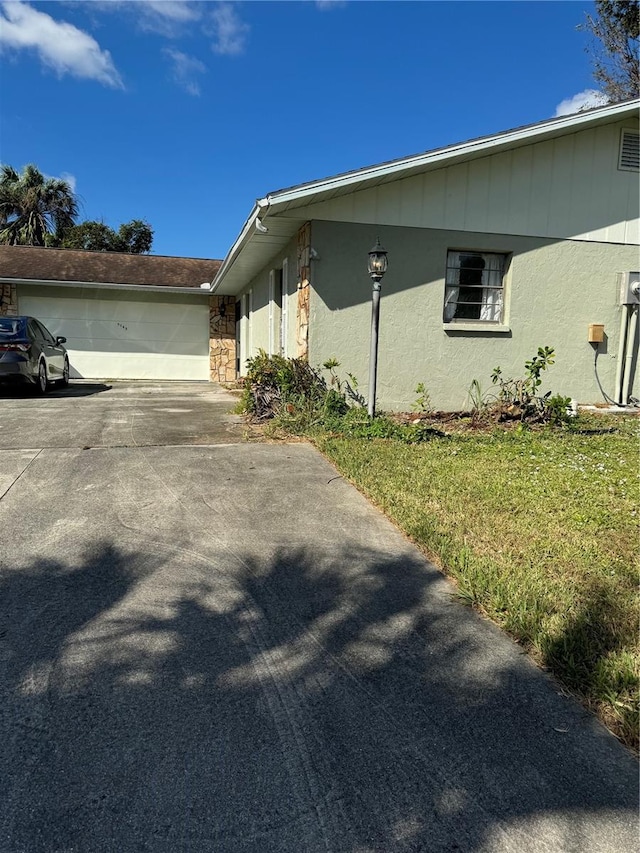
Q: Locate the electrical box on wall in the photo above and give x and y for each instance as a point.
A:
(596, 333)
(629, 287)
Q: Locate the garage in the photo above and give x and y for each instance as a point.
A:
(124, 316)
(119, 334)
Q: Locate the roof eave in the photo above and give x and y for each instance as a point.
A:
(295, 196)
(440, 157)
(104, 285)
(248, 229)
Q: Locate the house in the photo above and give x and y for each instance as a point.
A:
(496, 246)
(124, 316)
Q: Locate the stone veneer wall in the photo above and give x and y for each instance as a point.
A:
(222, 338)
(8, 300)
(304, 290)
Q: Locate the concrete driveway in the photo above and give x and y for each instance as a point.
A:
(118, 414)
(224, 648)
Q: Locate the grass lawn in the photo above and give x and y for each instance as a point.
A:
(540, 532)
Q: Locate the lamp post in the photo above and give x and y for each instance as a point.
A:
(377, 268)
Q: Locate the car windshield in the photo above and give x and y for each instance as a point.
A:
(11, 327)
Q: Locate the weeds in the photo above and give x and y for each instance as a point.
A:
(422, 404)
(350, 385)
(480, 407)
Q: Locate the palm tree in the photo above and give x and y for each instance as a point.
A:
(33, 206)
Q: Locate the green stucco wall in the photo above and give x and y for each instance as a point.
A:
(554, 290)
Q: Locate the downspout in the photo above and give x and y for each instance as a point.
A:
(263, 205)
(624, 322)
(628, 365)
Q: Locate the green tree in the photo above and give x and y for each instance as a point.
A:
(614, 53)
(89, 235)
(135, 237)
(33, 206)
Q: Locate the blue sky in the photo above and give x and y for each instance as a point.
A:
(182, 113)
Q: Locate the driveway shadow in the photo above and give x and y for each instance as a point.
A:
(73, 389)
(337, 701)
(80, 389)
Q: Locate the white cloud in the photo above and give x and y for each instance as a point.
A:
(165, 17)
(60, 46)
(582, 101)
(175, 10)
(185, 68)
(64, 176)
(70, 179)
(230, 31)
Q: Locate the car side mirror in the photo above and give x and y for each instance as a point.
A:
(61, 340)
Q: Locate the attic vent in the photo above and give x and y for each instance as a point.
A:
(629, 150)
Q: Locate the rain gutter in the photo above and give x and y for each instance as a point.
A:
(135, 288)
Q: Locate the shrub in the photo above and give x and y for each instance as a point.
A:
(519, 399)
(288, 389)
(295, 397)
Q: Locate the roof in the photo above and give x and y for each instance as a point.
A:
(73, 266)
(275, 218)
(525, 130)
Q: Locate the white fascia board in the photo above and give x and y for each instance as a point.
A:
(482, 146)
(248, 230)
(139, 288)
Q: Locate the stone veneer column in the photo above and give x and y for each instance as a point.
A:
(222, 338)
(8, 300)
(304, 290)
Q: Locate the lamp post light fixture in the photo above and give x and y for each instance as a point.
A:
(377, 268)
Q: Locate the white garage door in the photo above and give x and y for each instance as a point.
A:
(118, 334)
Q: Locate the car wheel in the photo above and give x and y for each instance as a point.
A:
(41, 382)
(65, 374)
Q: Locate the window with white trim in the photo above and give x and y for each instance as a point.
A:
(474, 287)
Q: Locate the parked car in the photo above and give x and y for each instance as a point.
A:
(30, 353)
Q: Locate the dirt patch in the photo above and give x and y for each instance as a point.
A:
(451, 422)
(467, 422)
